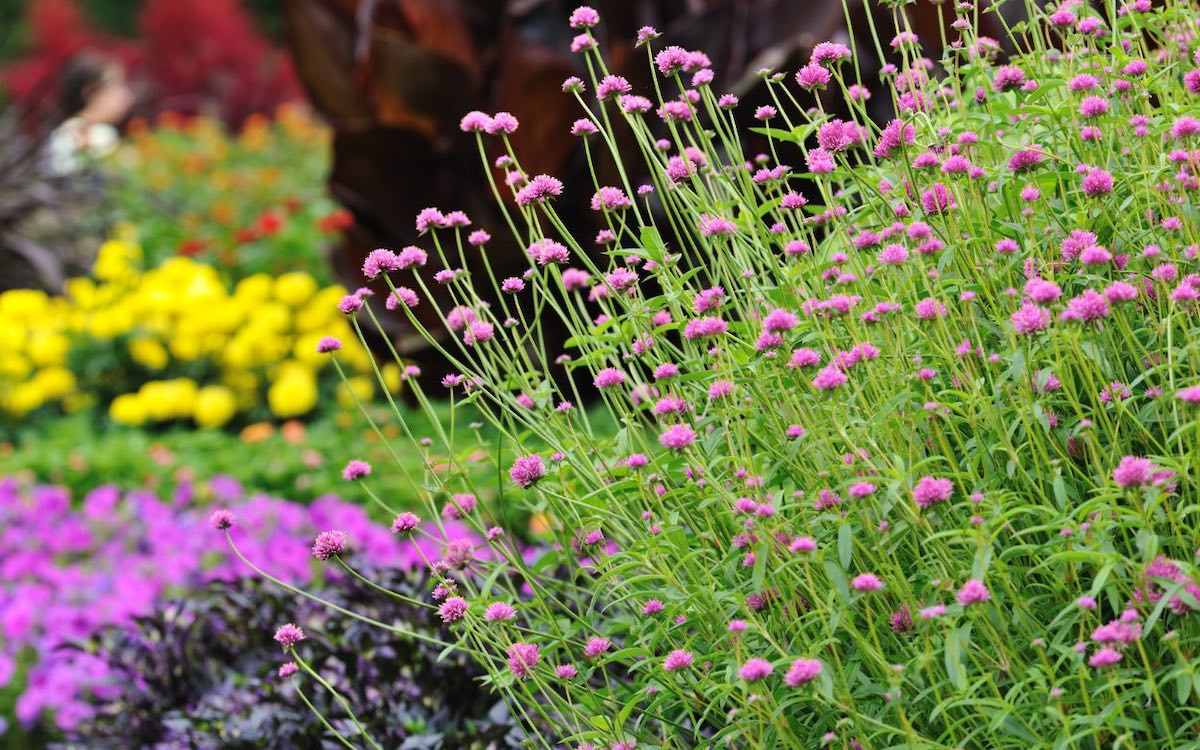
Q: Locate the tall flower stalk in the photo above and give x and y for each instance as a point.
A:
(894, 441)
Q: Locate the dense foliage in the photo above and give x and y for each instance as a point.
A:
(201, 673)
(908, 447)
(249, 203)
(76, 569)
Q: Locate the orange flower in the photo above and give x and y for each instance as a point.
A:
(257, 432)
(293, 431)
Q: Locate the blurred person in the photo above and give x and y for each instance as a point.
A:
(94, 97)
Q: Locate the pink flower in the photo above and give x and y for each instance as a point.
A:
(866, 582)
(1030, 319)
(405, 523)
(522, 658)
(1104, 657)
(453, 609)
(1134, 471)
(221, 519)
(802, 672)
(288, 635)
(595, 647)
(527, 470)
(609, 377)
(499, 611)
(678, 659)
(1097, 182)
(1190, 395)
(930, 490)
(677, 437)
(328, 544)
(829, 377)
(973, 592)
(755, 669)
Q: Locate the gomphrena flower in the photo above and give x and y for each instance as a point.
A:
(328, 544)
(288, 669)
(973, 592)
(802, 671)
(755, 669)
(328, 344)
(288, 635)
(527, 470)
(356, 469)
(499, 611)
(405, 523)
(453, 609)
(523, 657)
(677, 437)
(677, 660)
(866, 582)
(221, 519)
(931, 490)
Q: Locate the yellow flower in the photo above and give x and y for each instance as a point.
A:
(168, 399)
(48, 349)
(391, 377)
(359, 385)
(24, 398)
(295, 288)
(127, 409)
(294, 391)
(215, 405)
(54, 383)
(149, 353)
(117, 259)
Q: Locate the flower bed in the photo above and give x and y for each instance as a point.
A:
(74, 567)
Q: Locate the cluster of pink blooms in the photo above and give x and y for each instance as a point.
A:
(855, 372)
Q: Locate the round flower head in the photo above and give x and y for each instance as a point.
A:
(221, 519)
(677, 437)
(930, 490)
(584, 17)
(755, 669)
(356, 469)
(405, 523)
(677, 660)
(499, 611)
(595, 647)
(453, 609)
(288, 669)
(802, 671)
(522, 658)
(328, 544)
(973, 592)
(866, 582)
(288, 635)
(527, 470)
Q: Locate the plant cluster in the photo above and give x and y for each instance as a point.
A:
(177, 343)
(76, 569)
(251, 202)
(202, 672)
(907, 447)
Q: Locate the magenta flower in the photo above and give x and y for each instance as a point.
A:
(802, 672)
(565, 672)
(609, 377)
(1104, 657)
(595, 647)
(288, 635)
(221, 519)
(973, 592)
(499, 611)
(356, 469)
(866, 582)
(522, 658)
(930, 490)
(328, 544)
(405, 523)
(328, 344)
(1134, 471)
(527, 470)
(677, 437)
(453, 609)
(755, 669)
(677, 660)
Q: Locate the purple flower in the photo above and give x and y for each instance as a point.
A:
(405, 523)
(221, 519)
(930, 490)
(802, 672)
(677, 660)
(527, 470)
(595, 647)
(755, 669)
(677, 437)
(356, 469)
(328, 344)
(866, 582)
(288, 635)
(453, 609)
(499, 611)
(328, 544)
(522, 658)
(973, 592)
